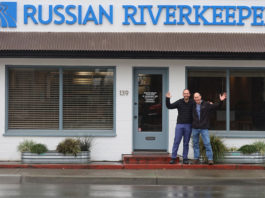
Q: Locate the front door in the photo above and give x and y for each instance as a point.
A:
(150, 113)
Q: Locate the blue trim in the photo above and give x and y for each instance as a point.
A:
(186, 78)
(61, 99)
(6, 98)
(151, 70)
(166, 121)
(114, 102)
(225, 68)
(228, 100)
(133, 103)
(239, 134)
(61, 132)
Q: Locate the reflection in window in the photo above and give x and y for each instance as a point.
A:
(88, 99)
(150, 102)
(210, 83)
(247, 103)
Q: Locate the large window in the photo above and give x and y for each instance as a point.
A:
(61, 99)
(246, 99)
(210, 83)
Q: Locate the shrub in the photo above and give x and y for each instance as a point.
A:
(218, 148)
(248, 149)
(85, 143)
(232, 149)
(69, 146)
(260, 146)
(38, 148)
(26, 146)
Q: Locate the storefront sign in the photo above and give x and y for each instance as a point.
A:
(15, 14)
(136, 15)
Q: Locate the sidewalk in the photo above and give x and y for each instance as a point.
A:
(120, 165)
(135, 174)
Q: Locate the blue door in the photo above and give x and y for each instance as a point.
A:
(150, 118)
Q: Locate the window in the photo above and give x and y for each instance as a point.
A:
(210, 83)
(247, 103)
(83, 100)
(33, 99)
(246, 88)
(88, 99)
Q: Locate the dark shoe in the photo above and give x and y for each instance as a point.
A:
(185, 161)
(196, 161)
(172, 161)
(210, 162)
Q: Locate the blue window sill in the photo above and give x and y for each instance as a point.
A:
(239, 134)
(60, 133)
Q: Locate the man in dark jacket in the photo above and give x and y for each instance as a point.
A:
(183, 127)
(201, 123)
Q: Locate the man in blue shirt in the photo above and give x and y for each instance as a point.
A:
(201, 124)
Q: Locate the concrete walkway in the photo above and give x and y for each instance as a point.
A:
(132, 177)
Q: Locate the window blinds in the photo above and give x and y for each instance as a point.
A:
(88, 99)
(33, 98)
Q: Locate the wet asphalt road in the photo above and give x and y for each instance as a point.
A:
(127, 191)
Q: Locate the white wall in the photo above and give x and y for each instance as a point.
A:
(112, 148)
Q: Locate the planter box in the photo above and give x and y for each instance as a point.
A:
(240, 158)
(53, 157)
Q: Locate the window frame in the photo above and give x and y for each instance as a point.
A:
(60, 132)
(228, 133)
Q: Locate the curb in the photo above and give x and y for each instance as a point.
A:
(137, 166)
(140, 181)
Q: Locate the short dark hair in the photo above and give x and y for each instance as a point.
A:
(185, 90)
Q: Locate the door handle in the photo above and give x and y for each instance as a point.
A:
(135, 103)
(135, 117)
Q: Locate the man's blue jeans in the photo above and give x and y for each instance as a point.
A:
(206, 141)
(185, 131)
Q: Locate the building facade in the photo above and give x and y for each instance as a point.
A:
(102, 69)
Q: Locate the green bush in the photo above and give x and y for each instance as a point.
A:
(38, 148)
(218, 148)
(85, 143)
(69, 146)
(248, 149)
(26, 146)
(232, 149)
(260, 146)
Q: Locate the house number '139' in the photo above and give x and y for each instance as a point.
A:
(124, 92)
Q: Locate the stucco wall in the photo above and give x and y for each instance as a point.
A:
(112, 148)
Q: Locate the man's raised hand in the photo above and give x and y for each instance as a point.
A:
(168, 95)
(223, 96)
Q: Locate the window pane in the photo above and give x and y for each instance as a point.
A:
(33, 98)
(88, 99)
(210, 83)
(247, 101)
(150, 102)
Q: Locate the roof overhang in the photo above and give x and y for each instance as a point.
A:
(128, 45)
